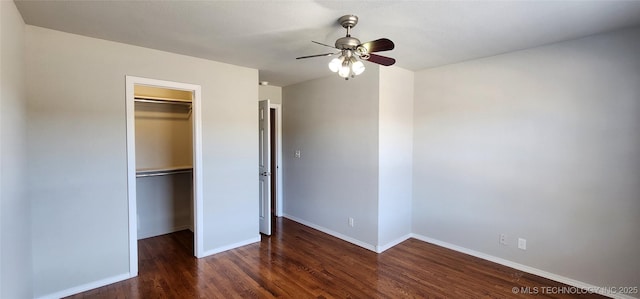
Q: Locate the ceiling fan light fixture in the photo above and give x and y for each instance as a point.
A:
(346, 65)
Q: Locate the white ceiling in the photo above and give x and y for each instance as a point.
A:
(268, 35)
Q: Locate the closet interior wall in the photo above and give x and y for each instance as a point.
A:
(164, 161)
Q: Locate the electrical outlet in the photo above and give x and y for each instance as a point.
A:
(351, 221)
(522, 243)
(503, 239)
(297, 154)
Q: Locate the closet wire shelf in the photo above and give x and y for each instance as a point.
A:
(143, 173)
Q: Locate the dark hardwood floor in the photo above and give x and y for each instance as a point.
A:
(300, 262)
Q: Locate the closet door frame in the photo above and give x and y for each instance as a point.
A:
(131, 82)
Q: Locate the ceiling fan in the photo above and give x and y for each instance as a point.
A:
(352, 52)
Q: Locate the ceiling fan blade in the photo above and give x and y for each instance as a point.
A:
(317, 55)
(379, 45)
(319, 43)
(382, 60)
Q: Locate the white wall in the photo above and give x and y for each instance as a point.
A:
(273, 93)
(334, 124)
(15, 227)
(77, 152)
(395, 148)
(541, 144)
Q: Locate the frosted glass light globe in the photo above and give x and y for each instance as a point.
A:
(335, 64)
(357, 67)
(344, 71)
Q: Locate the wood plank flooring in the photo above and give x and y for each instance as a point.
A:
(300, 262)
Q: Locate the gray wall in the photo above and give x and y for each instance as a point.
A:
(273, 93)
(356, 143)
(77, 152)
(395, 160)
(541, 144)
(15, 227)
(334, 124)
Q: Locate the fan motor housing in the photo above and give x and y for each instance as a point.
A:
(347, 42)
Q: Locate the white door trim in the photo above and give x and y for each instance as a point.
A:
(278, 171)
(131, 81)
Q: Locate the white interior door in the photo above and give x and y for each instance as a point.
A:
(264, 166)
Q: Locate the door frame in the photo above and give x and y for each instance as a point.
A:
(198, 233)
(279, 200)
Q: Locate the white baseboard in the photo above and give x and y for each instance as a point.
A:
(87, 287)
(524, 268)
(333, 233)
(230, 246)
(382, 248)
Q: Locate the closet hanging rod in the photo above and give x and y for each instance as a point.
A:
(162, 101)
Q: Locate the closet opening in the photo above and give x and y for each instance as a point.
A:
(164, 163)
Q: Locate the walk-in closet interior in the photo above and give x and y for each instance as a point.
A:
(164, 160)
